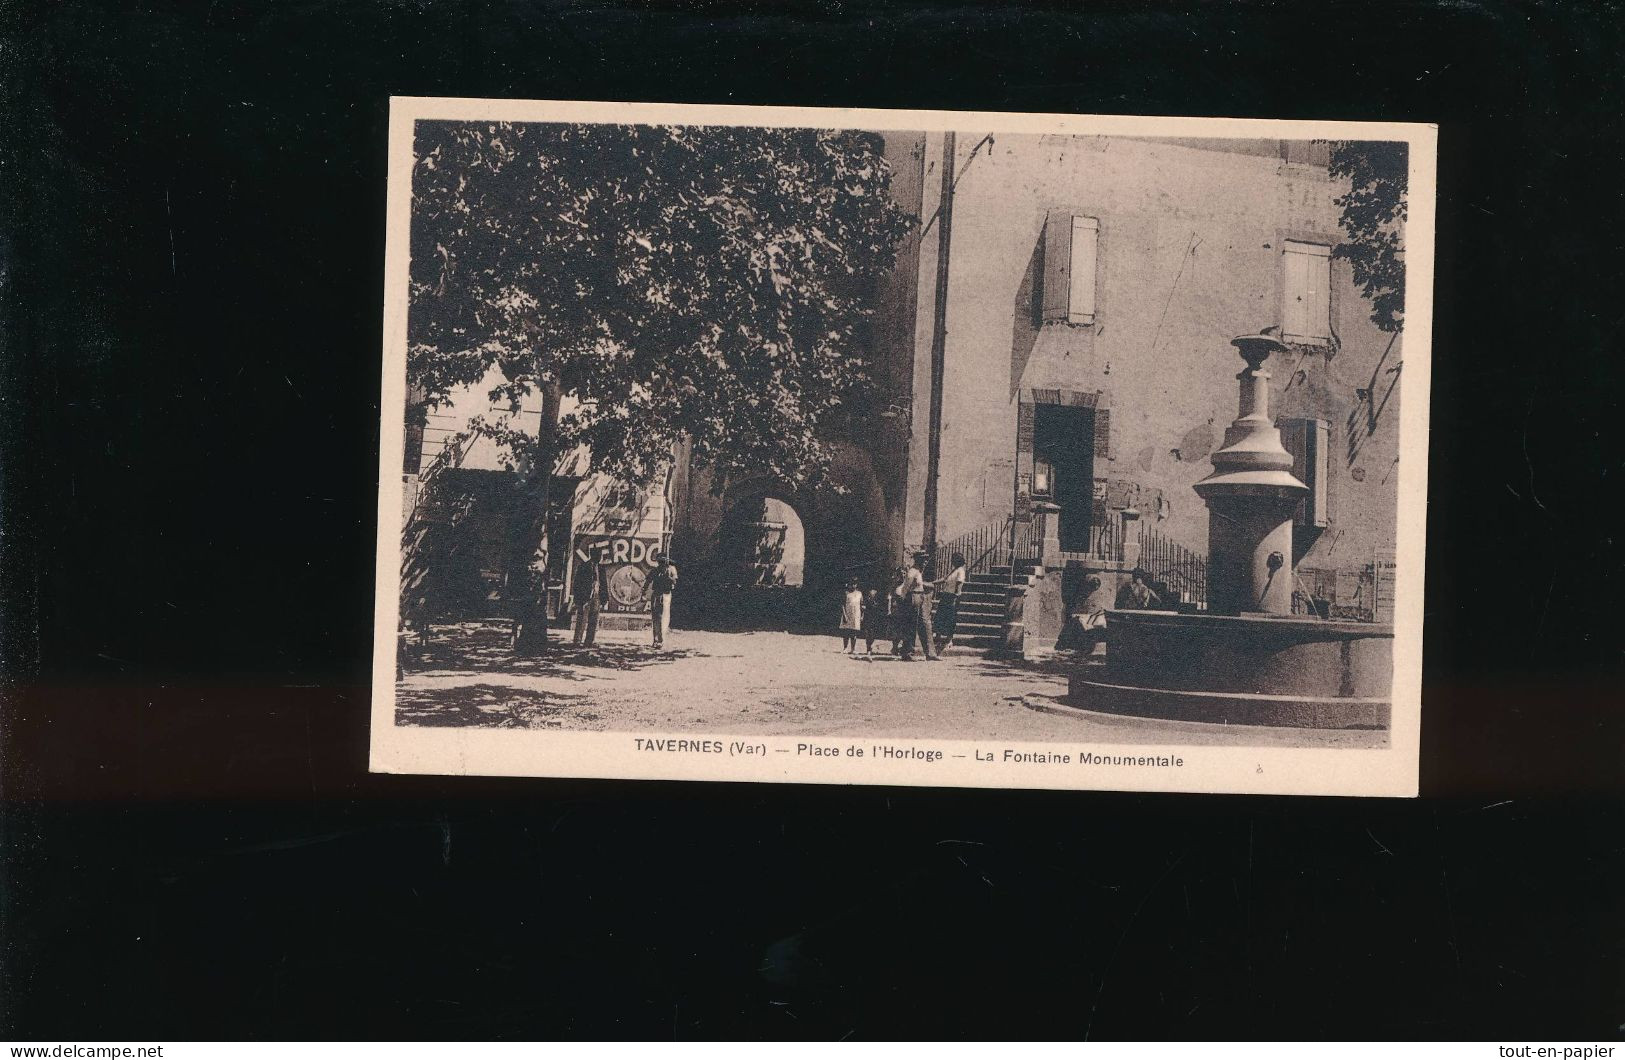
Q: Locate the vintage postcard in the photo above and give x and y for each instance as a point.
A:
(902, 447)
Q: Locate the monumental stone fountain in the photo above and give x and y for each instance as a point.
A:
(1247, 659)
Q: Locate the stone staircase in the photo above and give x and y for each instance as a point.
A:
(982, 607)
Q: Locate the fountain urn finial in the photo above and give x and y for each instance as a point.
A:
(1251, 496)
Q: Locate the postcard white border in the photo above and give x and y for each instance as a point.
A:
(613, 755)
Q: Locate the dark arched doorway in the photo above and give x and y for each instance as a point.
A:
(758, 565)
(764, 544)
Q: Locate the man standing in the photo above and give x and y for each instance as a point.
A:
(917, 593)
(588, 592)
(662, 582)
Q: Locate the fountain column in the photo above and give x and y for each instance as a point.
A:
(1250, 497)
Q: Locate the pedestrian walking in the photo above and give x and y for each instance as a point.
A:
(589, 591)
(851, 617)
(662, 583)
(948, 590)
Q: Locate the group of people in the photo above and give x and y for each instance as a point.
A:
(1087, 625)
(915, 613)
(589, 592)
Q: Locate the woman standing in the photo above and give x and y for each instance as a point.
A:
(851, 617)
(948, 590)
(901, 613)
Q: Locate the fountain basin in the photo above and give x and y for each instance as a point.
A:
(1248, 669)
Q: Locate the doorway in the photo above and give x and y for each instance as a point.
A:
(764, 545)
(1064, 468)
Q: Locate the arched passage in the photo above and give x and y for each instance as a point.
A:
(763, 543)
(755, 565)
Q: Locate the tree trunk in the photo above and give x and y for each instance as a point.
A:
(524, 584)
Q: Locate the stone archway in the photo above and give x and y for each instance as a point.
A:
(762, 543)
(756, 560)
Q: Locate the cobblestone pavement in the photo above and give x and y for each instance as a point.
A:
(769, 683)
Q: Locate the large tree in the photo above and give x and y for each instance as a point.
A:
(1373, 220)
(704, 283)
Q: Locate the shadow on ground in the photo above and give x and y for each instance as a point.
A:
(1031, 671)
(489, 706)
(487, 647)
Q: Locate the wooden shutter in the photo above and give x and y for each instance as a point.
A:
(1103, 434)
(1319, 436)
(1309, 442)
(1306, 290)
(1081, 304)
(1057, 266)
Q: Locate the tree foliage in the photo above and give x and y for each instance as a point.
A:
(1373, 219)
(698, 282)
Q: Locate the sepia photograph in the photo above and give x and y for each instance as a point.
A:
(898, 447)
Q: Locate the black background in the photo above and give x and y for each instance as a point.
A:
(193, 848)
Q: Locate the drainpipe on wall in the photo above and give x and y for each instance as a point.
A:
(939, 341)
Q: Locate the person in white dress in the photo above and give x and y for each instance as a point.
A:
(851, 617)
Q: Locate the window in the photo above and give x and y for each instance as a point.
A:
(1307, 312)
(1070, 262)
(1309, 442)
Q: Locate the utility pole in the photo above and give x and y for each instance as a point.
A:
(939, 341)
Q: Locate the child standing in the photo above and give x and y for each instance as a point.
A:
(851, 618)
(876, 619)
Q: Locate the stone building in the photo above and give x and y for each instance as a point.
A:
(462, 485)
(1075, 296)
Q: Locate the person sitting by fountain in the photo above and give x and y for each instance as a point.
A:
(1087, 625)
(1138, 595)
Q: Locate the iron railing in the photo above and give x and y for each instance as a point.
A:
(1181, 571)
(987, 547)
(1105, 543)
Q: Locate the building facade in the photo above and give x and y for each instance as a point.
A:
(1078, 316)
(462, 489)
(1053, 338)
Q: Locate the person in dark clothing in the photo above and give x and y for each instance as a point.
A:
(900, 620)
(948, 590)
(588, 594)
(1138, 595)
(1086, 626)
(877, 619)
(662, 583)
